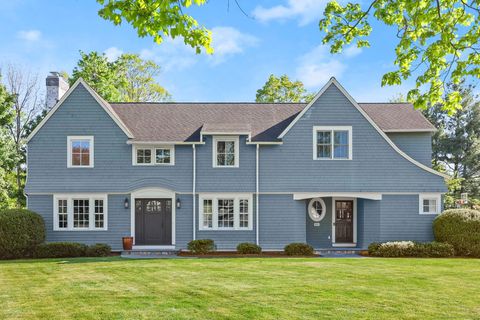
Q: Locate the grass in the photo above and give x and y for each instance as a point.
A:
(250, 288)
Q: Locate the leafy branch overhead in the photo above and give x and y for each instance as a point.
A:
(439, 39)
(159, 19)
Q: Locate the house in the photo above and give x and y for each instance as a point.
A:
(331, 173)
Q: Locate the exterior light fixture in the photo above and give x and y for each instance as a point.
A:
(179, 203)
(126, 204)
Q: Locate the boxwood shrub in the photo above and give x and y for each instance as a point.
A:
(21, 231)
(201, 246)
(98, 250)
(298, 249)
(249, 248)
(61, 250)
(461, 229)
(410, 249)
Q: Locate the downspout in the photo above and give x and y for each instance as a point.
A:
(257, 235)
(193, 190)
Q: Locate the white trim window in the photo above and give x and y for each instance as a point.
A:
(332, 143)
(80, 152)
(153, 155)
(226, 212)
(225, 151)
(430, 203)
(80, 212)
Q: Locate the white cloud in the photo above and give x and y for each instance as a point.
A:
(228, 41)
(352, 51)
(113, 53)
(305, 10)
(29, 35)
(171, 55)
(317, 66)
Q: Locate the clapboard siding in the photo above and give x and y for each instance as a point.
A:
(80, 114)
(118, 222)
(400, 219)
(376, 166)
(368, 222)
(320, 236)
(282, 221)
(417, 145)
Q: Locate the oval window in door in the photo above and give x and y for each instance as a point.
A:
(317, 209)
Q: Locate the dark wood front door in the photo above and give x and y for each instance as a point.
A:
(343, 221)
(153, 221)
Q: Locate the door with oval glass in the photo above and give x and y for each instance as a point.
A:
(153, 221)
(344, 221)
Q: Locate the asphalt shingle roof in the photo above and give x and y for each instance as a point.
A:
(169, 122)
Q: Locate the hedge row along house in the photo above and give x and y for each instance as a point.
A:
(332, 173)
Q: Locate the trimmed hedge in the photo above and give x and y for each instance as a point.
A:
(21, 231)
(98, 250)
(461, 229)
(298, 249)
(249, 248)
(201, 246)
(410, 249)
(61, 250)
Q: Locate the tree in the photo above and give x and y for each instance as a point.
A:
(140, 80)
(24, 88)
(129, 78)
(439, 39)
(159, 19)
(282, 89)
(103, 76)
(456, 144)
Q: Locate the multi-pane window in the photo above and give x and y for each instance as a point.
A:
(62, 214)
(207, 213)
(162, 155)
(219, 212)
(144, 156)
(244, 212)
(99, 216)
(430, 204)
(332, 143)
(80, 151)
(225, 213)
(81, 213)
(154, 155)
(225, 151)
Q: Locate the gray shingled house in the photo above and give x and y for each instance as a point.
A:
(333, 173)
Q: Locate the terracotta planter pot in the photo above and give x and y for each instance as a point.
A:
(127, 243)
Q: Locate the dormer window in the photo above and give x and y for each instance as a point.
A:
(332, 143)
(80, 152)
(225, 152)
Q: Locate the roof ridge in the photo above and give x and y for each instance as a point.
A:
(191, 102)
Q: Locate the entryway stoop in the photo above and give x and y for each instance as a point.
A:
(339, 252)
(149, 254)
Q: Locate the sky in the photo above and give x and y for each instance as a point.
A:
(271, 37)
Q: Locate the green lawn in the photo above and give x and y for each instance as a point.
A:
(252, 288)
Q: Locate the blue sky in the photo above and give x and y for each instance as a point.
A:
(279, 37)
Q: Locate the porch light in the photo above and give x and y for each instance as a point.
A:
(125, 203)
(179, 203)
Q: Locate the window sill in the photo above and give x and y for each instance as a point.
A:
(227, 229)
(81, 230)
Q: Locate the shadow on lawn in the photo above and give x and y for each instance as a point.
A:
(65, 260)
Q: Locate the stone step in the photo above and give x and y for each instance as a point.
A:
(149, 253)
(339, 251)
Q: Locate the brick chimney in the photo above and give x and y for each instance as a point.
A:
(56, 88)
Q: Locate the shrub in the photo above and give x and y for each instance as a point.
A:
(410, 249)
(201, 246)
(61, 250)
(461, 229)
(299, 249)
(249, 248)
(98, 250)
(21, 231)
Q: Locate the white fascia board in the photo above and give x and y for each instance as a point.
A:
(364, 195)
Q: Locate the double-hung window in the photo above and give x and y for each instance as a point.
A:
(429, 203)
(225, 152)
(226, 212)
(80, 212)
(332, 143)
(153, 155)
(80, 152)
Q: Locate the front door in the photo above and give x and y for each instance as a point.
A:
(344, 221)
(153, 221)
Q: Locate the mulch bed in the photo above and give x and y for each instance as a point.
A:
(233, 254)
